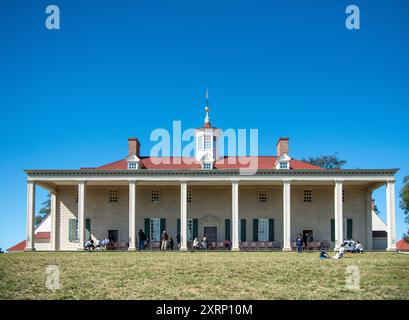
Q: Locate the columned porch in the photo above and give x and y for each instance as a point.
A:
(231, 208)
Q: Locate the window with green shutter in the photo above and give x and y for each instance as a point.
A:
(349, 228)
(195, 228)
(243, 230)
(162, 225)
(333, 230)
(87, 229)
(72, 230)
(227, 224)
(148, 228)
(255, 229)
(270, 229)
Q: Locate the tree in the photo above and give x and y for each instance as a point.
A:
(327, 161)
(404, 201)
(44, 211)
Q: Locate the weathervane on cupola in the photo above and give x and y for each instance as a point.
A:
(207, 119)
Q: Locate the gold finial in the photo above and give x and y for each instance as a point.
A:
(207, 109)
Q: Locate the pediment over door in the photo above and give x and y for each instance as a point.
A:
(210, 219)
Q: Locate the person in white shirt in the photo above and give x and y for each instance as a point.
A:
(340, 253)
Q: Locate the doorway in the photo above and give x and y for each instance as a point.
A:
(113, 235)
(210, 233)
(307, 236)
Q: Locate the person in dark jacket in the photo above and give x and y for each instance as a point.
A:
(142, 239)
(171, 244)
(299, 242)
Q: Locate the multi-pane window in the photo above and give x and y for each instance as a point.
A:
(132, 165)
(155, 229)
(200, 142)
(343, 195)
(263, 230)
(113, 195)
(155, 195)
(207, 142)
(189, 196)
(189, 230)
(283, 165)
(262, 195)
(207, 166)
(308, 195)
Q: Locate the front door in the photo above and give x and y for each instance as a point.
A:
(113, 235)
(210, 233)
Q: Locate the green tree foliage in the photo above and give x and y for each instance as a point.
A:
(44, 211)
(404, 201)
(327, 161)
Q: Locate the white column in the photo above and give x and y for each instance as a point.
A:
(31, 191)
(390, 215)
(53, 216)
(287, 216)
(81, 215)
(339, 238)
(369, 243)
(183, 216)
(235, 215)
(132, 216)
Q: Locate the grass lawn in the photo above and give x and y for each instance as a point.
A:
(202, 275)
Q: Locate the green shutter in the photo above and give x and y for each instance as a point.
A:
(162, 225)
(349, 228)
(195, 228)
(178, 227)
(270, 229)
(227, 229)
(72, 223)
(87, 229)
(148, 228)
(243, 230)
(255, 229)
(333, 230)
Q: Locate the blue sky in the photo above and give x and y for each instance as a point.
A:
(70, 98)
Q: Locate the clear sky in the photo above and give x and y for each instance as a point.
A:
(70, 98)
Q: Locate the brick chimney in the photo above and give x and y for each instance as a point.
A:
(282, 146)
(133, 146)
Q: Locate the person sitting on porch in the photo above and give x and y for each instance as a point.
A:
(227, 244)
(164, 240)
(205, 243)
(195, 244)
(171, 244)
(358, 248)
(89, 245)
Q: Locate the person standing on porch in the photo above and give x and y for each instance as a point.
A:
(142, 239)
(299, 242)
(164, 240)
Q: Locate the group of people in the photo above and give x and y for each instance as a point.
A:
(90, 244)
(196, 245)
(166, 242)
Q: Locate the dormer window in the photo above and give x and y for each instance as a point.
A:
(132, 165)
(283, 162)
(207, 166)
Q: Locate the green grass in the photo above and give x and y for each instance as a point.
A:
(202, 275)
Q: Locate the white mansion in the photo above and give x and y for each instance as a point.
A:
(208, 195)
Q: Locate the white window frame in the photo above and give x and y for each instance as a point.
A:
(283, 164)
(113, 196)
(132, 165)
(154, 228)
(263, 231)
(200, 142)
(307, 195)
(207, 142)
(189, 196)
(155, 195)
(262, 196)
(207, 166)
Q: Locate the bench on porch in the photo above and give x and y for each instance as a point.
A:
(260, 245)
(313, 245)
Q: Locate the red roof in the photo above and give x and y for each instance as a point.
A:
(403, 245)
(183, 163)
(22, 245)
